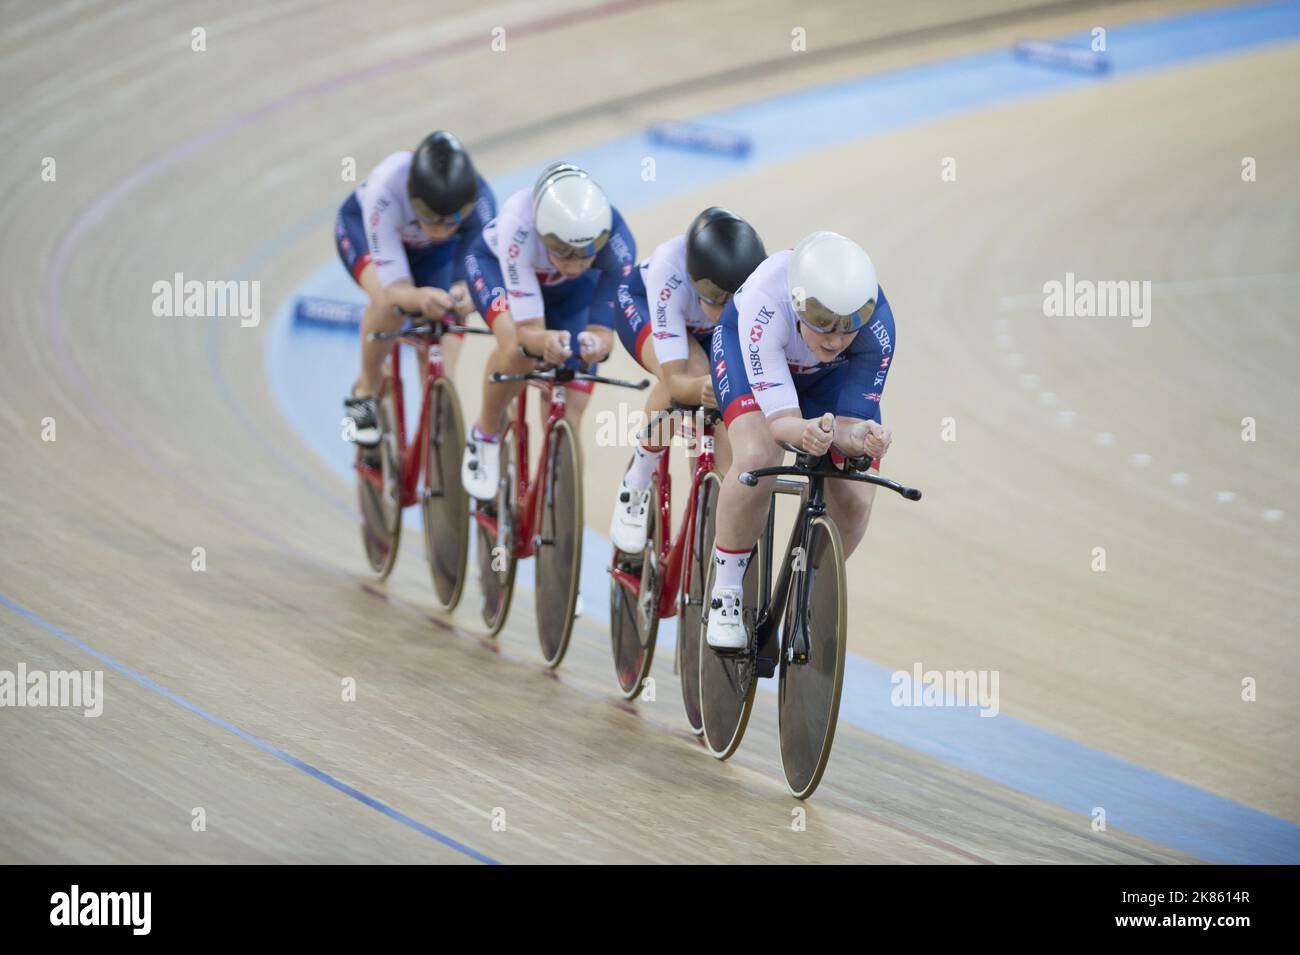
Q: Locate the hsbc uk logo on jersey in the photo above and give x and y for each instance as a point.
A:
(720, 368)
(761, 321)
(878, 329)
(630, 311)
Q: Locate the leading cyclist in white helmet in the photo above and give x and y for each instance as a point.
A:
(552, 253)
(800, 355)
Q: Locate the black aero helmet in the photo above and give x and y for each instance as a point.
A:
(722, 249)
(442, 182)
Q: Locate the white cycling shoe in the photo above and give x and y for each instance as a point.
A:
(627, 529)
(726, 620)
(480, 468)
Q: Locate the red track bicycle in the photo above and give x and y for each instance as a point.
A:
(651, 585)
(539, 517)
(388, 476)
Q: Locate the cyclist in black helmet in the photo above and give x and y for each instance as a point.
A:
(664, 314)
(402, 236)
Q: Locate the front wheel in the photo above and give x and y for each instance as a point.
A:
(812, 660)
(445, 505)
(559, 544)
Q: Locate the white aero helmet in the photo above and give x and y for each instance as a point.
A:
(832, 283)
(570, 211)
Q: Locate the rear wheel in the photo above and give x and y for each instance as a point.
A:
(809, 694)
(634, 615)
(445, 505)
(495, 525)
(690, 630)
(727, 680)
(379, 489)
(559, 544)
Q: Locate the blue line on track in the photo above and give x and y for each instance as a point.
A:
(246, 736)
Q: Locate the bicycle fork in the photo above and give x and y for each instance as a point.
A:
(793, 565)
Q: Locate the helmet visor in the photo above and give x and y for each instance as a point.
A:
(426, 215)
(710, 292)
(821, 319)
(566, 250)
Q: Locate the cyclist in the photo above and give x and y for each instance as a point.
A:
(534, 273)
(808, 343)
(689, 279)
(401, 235)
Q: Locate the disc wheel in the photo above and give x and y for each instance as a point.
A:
(379, 489)
(559, 544)
(727, 680)
(695, 576)
(634, 614)
(495, 525)
(809, 692)
(445, 504)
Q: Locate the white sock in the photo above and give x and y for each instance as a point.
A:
(643, 467)
(729, 567)
(478, 435)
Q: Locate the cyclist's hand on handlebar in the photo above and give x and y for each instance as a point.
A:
(435, 302)
(556, 351)
(461, 300)
(876, 440)
(818, 434)
(589, 348)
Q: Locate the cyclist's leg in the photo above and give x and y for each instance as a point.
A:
(504, 360)
(697, 366)
(378, 317)
(486, 286)
(354, 252)
(441, 266)
(849, 504)
(569, 308)
(742, 510)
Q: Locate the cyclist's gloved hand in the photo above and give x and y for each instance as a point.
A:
(557, 350)
(461, 300)
(876, 440)
(435, 302)
(818, 433)
(589, 348)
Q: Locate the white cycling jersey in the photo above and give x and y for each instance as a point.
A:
(675, 310)
(390, 221)
(525, 266)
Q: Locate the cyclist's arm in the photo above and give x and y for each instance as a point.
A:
(870, 358)
(668, 296)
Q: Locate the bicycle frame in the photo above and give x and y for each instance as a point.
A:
(415, 451)
(677, 553)
(813, 505)
(529, 491)
(427, 342)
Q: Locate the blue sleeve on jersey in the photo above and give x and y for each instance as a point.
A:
(485, 210)
(870, 356)
(615, 264)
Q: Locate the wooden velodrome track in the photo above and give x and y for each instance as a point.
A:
(168, 439)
